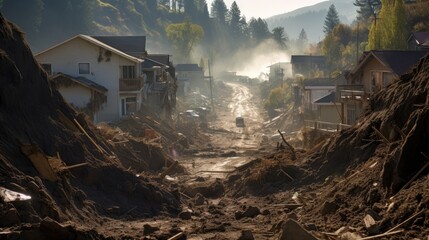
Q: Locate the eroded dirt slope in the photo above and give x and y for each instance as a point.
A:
(34, 115)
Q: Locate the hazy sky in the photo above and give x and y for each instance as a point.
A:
(266, 8)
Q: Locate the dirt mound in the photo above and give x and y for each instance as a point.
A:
(379, 166)
(38, 128)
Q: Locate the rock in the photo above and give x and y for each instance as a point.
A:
(371, 226)
(373, 196)
(185, 215)
(329, 207)
(234, 177)
(10, 218)
(200, 179)
(291, 230)
(148, 229)
(246, 235)
(199, 200)
(311, 227)
(238, 215)
(251, 212)
(266, 212)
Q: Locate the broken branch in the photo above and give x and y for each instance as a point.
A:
(380, 135)
(287, 144)
(381, 235)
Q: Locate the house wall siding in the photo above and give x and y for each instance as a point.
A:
(65, 59)
(329, 113)
(79, 96)
(372, 65)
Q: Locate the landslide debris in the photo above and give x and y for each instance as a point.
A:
(38, 129)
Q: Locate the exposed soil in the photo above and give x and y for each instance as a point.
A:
(376, 170)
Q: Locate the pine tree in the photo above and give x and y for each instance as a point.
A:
(280, 37)
(302, 42)
(366, 9)
(219, 11)
(234, 16)
(331, 20)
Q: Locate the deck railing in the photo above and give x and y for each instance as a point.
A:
(325, 126)
(130, 84)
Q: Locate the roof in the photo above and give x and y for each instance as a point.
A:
(162, 58)
(330, 98)
(398, 61)
(134, 45)
(150, 63)
(319, 82)
(307, 59)
(188, 67)
(422, 38)
(97, 43)
(82, 81)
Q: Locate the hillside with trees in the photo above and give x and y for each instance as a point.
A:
(185, 29)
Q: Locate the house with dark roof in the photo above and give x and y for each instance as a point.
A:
(132, 45)
(374, 71)
(83, 65)
(312, 90)
(327, 108)
(188, 76)
(418, 41)
(91, 95)
(87, 62)
(307, 65)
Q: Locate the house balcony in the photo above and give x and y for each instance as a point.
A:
(130, 84)
(351, 92)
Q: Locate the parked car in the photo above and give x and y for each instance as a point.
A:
(191, 113)
(239, 121)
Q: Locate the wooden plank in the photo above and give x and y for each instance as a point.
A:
(380, 135)
(90, 138)
(166, 171)
(177, 236)
(406, 221)
(74, 166)
(40, 162)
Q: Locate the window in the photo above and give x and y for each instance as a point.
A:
(380, 80)
(388, 78)
(83, 68)
(47, 67)
(128, 71)
(351, 114)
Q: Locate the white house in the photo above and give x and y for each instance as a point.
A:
(188, 76)
(89, 62)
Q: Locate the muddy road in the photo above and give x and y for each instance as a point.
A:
(229, 146)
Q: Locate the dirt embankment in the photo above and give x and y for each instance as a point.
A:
(377, 168)
(36, 126)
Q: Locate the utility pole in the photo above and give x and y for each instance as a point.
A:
(210, 79)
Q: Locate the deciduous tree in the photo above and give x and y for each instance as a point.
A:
(183, 37)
